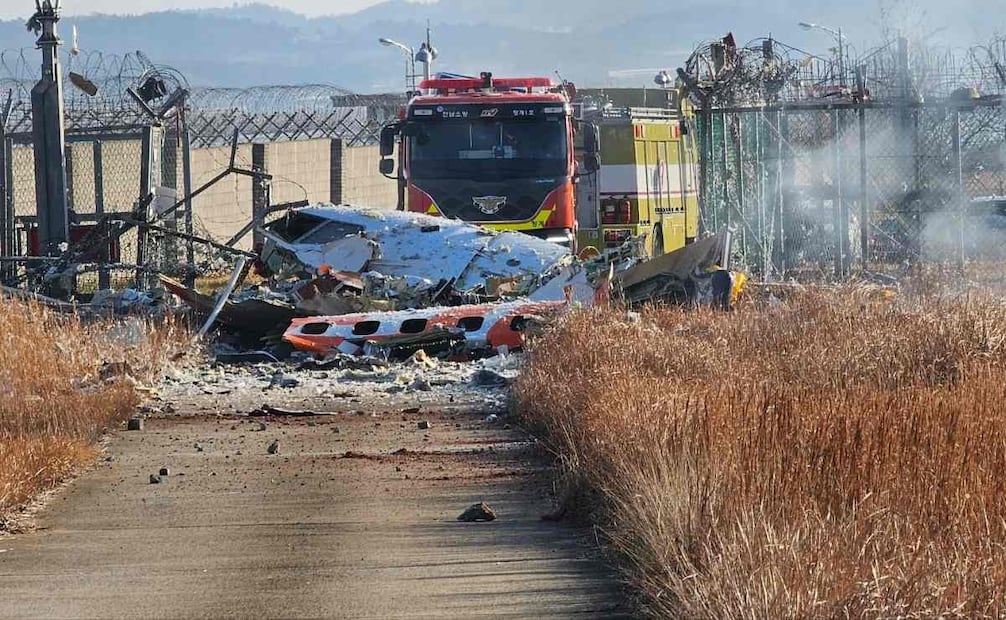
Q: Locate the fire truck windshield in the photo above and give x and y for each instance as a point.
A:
(489, 149)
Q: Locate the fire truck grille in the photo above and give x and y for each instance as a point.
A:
(483, 202)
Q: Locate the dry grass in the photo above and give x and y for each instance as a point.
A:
(53, 406)
(837, 455)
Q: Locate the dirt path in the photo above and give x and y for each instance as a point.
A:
(335, 525)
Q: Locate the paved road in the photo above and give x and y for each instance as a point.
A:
(334, 526)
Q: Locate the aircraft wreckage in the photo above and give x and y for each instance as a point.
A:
(340, 278)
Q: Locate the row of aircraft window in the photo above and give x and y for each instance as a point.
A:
(409, 326)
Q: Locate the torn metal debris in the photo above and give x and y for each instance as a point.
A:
(694, 274)
(398, 244)
(467, 331)
(338, 260)
(251, 314)
(387, 285)
(361, 283)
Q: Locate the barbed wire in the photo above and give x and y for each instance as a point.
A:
(109, 104)
(280, 113)
(110, 73)
(721, 73)
(260, 113)
(267, 99)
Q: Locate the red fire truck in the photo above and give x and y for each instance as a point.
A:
(497, 151)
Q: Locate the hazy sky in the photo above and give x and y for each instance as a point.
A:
(23, 8)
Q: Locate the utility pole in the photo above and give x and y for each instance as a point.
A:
(427, 54)
(48, 134)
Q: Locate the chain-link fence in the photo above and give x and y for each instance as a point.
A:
(123, 163)
(285, 113)
(818, 189)
(105, 175)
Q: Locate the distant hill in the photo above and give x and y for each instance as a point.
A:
(584, 39)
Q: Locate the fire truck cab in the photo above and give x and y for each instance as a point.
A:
(496, 151)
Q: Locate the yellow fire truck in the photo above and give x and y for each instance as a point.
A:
(647, 185)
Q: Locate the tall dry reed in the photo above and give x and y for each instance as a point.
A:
(53, 405)
(836, 455)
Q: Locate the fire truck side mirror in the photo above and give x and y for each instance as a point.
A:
(591, 162)
(388, 135)
(387, 166)
(591, 139)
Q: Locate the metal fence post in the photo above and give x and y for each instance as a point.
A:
(908, 140)
(7, 224)
(961, 198)
(190, 251)
(705, 156)
(836, 196)
(15, 244)
(864, 205)
(762, 172)
(775, 207)
(260, 188)
(104, 279)
(782, 122)
(68, 163)
(724, 171)
(146, 146)
(739, 172)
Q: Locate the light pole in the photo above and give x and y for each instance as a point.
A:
(841, 45)
(410, 62)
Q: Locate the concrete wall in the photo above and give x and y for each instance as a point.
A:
(314, 170)
(359, 182)
(224, 208)
(300, 170)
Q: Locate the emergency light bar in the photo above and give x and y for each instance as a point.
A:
(459, 84)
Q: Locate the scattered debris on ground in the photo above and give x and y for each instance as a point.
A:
(342, 294)
(385, 285)
(488, 378)
(477, 512)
